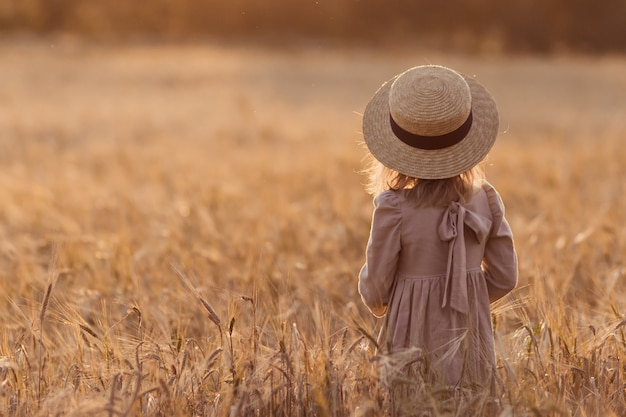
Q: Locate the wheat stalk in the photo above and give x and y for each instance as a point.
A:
(53, 275)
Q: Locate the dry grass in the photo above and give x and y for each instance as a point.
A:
(181, 228)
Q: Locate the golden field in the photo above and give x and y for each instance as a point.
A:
(181, 227)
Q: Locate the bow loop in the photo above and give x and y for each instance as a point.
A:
(481, 226)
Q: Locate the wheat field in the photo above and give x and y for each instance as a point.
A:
(181, 227)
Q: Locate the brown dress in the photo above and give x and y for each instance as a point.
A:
(432, 272)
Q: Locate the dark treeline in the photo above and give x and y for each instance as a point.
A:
(516, 25)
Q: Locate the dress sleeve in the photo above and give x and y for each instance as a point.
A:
(500, 261)
(383, 250)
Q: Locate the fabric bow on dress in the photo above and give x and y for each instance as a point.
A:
(451, 229)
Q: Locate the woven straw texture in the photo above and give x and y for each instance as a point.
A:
(441, 106)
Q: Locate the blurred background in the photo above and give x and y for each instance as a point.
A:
(475, 25)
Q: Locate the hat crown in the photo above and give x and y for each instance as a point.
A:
(430, 100)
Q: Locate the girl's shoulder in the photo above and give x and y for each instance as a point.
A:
(388, 198)
(489, 193)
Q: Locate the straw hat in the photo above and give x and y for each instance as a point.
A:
(430, 122)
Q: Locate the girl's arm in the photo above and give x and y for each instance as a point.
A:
(383, 250)
(500, 262)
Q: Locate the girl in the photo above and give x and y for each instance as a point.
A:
(440, 249)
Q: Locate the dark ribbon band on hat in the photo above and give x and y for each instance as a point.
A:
(432, 142)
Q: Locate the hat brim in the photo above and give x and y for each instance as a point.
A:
(438, 163)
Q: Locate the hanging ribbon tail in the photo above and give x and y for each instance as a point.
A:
(452, 230)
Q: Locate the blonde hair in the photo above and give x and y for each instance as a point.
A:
(437, 192)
